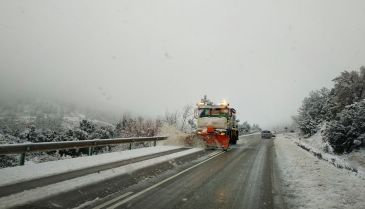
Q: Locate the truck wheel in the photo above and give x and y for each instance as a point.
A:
(234, 141)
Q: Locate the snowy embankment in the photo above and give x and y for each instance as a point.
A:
(34, 171)
(39, 193)
(308, 182)
(354, 161)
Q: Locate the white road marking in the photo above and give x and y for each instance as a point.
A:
(161, 182)
(113, 200)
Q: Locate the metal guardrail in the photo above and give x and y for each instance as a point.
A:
(63, 145)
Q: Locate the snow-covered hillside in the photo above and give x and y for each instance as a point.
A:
(47, 113)
(37, 120)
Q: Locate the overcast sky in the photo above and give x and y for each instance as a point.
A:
(149, 57)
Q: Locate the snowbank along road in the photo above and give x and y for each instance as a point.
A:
(310, 182)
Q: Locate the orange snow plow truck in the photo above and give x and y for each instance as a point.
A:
(216, 124)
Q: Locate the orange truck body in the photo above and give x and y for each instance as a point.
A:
(213, 139)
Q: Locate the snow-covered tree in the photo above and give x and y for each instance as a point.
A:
(87, 126)
(130, 127)
(349, 88)
(171, 118)
(313, 111)
(255, 128)
(348, 130)
(186, 116)
(244, 128)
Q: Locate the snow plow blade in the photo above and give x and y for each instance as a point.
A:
(215, 140)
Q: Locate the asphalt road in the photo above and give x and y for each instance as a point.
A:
(244, 177)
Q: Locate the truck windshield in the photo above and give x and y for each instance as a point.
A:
(216, 112)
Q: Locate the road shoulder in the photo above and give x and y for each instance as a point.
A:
(308, 182)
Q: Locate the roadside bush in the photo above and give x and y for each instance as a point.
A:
(8, 161)
(348, 130)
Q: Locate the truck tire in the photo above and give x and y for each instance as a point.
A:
(233, 140)
(234, 137)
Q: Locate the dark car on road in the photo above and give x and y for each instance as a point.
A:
(266, 134)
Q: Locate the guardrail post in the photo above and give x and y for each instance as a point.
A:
(22, 159)
(90, 151)
(154, 143)
(130, 146)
